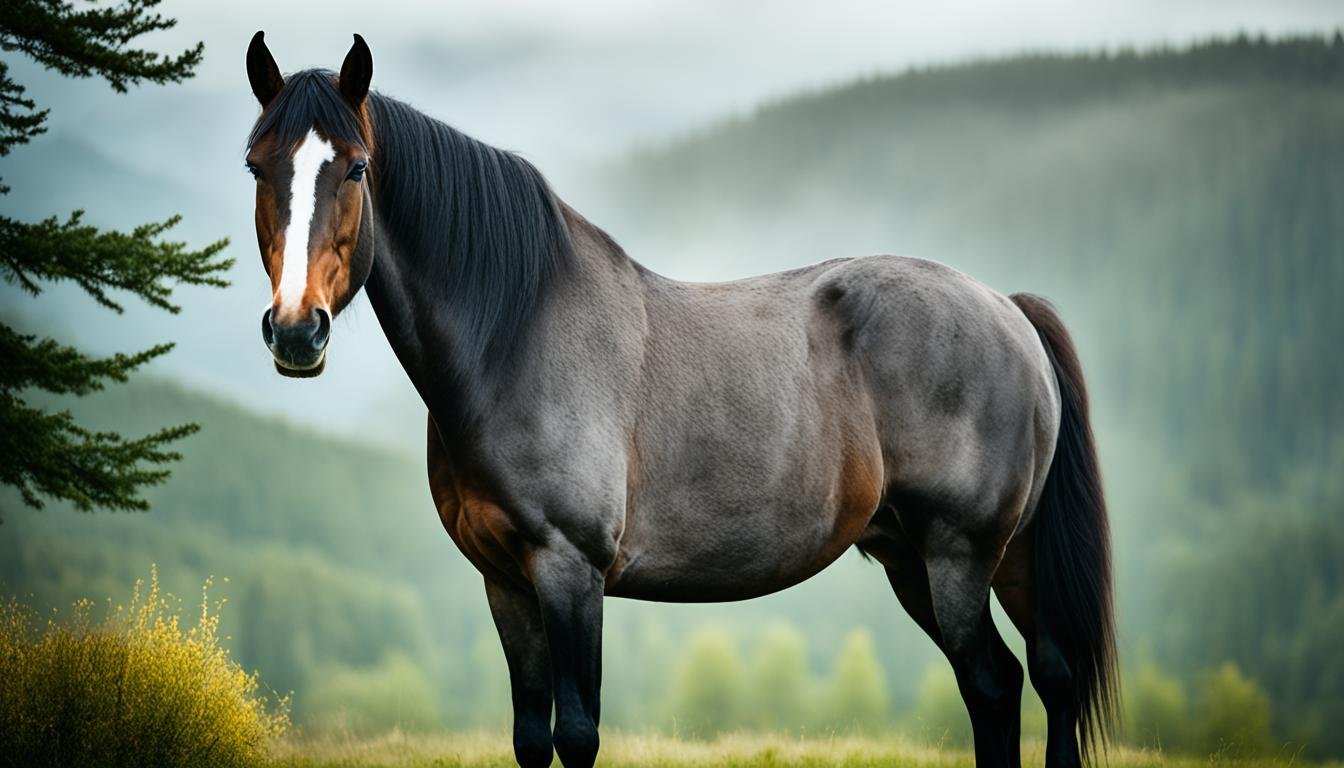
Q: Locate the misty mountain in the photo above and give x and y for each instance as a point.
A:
(1182, 207)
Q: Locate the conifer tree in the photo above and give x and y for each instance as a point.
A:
(779, 681)
(47, 455)
(708, 686)
(858, 698)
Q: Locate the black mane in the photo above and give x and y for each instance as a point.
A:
(479, 223)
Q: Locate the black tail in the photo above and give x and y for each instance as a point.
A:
(1072, 542)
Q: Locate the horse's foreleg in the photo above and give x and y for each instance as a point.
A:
(518, 619)
(569, 588)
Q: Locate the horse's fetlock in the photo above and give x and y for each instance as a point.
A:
(576, 742)
(532, 746)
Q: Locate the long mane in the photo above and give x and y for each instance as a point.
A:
(477, 223)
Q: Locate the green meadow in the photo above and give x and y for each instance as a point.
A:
(622, 750)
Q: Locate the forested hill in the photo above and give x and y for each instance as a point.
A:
(1185, 210)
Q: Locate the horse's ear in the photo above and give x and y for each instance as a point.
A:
(262, 71)
(357, 73)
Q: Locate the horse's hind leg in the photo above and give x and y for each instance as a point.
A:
(988, 675)
(1049, 670)
(948, 597)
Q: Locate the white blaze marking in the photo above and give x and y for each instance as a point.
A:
(313, 151)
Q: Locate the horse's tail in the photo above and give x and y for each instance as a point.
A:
(1072, 543)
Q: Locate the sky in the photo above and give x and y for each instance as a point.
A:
(579, 81)
(569, 85)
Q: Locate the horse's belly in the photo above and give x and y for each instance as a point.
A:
(694, 546)
(757, 460)
(725, 564)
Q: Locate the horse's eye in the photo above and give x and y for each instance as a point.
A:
(252, 169)
(357, 172)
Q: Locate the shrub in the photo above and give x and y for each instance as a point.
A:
(393, 695)
(706, 695)
(133, 685)
(1157, 712)
(779, 680)
(857, 696)
(1233, 714)
(940, 714)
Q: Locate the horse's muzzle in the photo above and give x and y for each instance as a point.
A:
(299, 348)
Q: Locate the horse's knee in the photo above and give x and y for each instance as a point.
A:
(576, 742)
(532, 745)
(988, 677)
(1051, 675)
(998, 681)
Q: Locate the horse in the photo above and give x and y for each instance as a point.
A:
(596, 429)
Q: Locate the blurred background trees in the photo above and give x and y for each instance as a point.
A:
(856, 695)
(939, 716)
(708, 692)
(780, 688)
(1157, 709)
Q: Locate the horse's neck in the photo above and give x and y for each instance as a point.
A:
(412, 312)
(423, 318)
(421, 338)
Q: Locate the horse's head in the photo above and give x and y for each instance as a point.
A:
(310, 154)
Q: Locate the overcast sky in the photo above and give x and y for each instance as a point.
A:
(568, 84)
(571, 82)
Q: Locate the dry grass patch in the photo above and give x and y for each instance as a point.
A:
(135, 688)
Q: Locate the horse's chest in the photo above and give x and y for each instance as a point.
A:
(480, 528)
(484, 533)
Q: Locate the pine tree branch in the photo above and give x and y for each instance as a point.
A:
(20, 119)
(94, 42)
(102, 261)
(88, 43)
(46, 455)
(57, 459)
(29, 362)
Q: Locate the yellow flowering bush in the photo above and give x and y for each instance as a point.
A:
(134, 688)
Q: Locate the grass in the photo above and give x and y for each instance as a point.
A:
(397, 750)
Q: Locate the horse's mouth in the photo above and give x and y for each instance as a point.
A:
(301, 372)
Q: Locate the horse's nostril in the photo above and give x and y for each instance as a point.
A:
(323, 330)
(296, 345)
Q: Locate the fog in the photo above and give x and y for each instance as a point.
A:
(570, 86)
